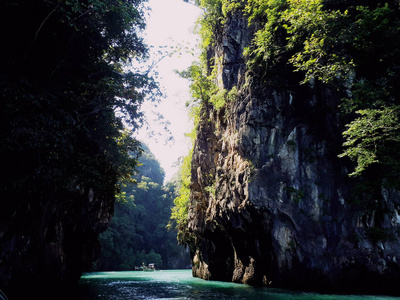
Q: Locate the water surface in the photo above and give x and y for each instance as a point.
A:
(179, 284)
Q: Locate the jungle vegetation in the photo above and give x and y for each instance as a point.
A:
(137, 233)
(65, 95)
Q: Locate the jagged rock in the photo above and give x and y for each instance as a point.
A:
(281, 213)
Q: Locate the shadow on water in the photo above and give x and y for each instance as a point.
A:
(179, 284)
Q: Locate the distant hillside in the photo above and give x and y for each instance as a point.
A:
(137, 233)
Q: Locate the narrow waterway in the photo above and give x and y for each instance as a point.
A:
(179, 284)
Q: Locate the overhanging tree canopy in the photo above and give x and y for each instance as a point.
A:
(65, 93)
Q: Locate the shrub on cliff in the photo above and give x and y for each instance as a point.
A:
(349, 49)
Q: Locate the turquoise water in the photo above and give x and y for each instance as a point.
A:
(179, 284)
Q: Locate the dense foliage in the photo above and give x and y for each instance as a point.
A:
(68, 86)
(65, 95)
(137, 233)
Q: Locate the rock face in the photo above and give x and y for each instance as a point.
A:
(47, 244)
(271, 203)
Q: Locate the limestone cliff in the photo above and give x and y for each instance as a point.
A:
(271, 203)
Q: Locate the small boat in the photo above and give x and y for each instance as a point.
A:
(149, 268)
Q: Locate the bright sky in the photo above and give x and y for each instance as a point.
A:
(171, 22)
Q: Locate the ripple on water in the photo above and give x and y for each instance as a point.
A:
(179, 284)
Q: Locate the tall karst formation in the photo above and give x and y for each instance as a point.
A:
(271, 202)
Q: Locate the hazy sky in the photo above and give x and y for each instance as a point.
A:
(171, 23)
